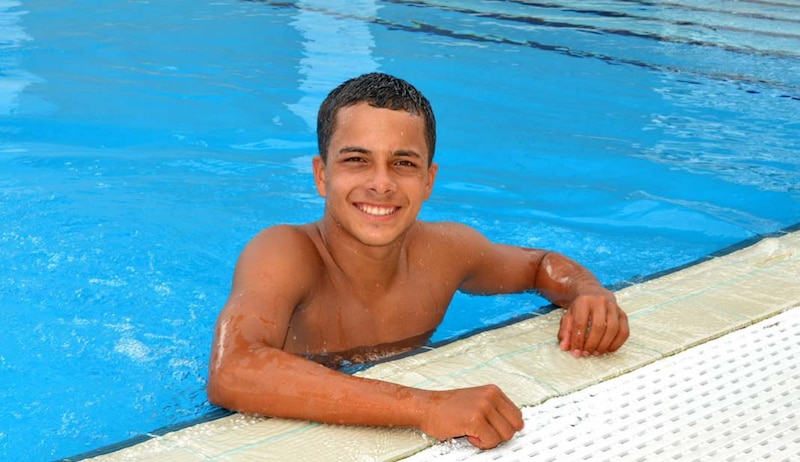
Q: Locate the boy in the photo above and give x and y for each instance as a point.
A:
(369, 279)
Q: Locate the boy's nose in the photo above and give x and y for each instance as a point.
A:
(381, 180)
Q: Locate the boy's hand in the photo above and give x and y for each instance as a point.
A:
(483, 414)
(593, 325)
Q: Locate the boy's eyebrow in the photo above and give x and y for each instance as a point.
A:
(408, 153)
(346, 149)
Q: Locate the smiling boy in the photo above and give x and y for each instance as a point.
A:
(369, 279)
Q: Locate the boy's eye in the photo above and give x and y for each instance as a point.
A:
(405, 163)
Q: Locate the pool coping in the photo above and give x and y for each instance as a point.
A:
(730, 398)
(534, 336)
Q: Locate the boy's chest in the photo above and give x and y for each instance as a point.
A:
(336, 320)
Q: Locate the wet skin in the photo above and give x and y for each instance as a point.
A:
(369, 279)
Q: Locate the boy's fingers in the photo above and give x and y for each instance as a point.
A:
(622, 333)
(564, 332)
(580, 325)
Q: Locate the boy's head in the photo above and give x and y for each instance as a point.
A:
(378, 90)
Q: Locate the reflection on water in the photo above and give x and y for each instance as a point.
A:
(334, 33)
(726, 131)
(13, 79)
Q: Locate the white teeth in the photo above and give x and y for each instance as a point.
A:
(377, 211)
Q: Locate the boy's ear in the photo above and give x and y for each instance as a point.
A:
(432, 170)
(319, 176)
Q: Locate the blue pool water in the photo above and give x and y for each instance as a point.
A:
(142, 144)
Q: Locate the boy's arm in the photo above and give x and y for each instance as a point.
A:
(593, 323)
(249, 371)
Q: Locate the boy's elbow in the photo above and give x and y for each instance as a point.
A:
(235, 383)
(219, 393)
(215, 395)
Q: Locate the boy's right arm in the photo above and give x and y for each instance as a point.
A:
(249, 371)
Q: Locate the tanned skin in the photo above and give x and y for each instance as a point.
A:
(370, 279)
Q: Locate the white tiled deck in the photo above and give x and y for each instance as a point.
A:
(732, 398)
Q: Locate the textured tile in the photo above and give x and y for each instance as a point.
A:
(733, 398)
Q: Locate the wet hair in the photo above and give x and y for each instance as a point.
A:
(378, 90)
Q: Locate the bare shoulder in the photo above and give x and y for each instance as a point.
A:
(481, 266)
(450, 236)
(454, 246)
(284, 239)
(283, 254)
(276, 272)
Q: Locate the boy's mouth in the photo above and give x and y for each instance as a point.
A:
(376, 210)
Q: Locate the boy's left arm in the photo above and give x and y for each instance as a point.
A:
(593, 323)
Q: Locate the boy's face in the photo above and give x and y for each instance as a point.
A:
(376, 176)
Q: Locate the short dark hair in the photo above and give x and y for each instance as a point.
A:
(378, 90)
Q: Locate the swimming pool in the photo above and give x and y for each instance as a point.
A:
(144, 143)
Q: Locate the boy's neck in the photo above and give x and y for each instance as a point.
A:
(371, 268)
